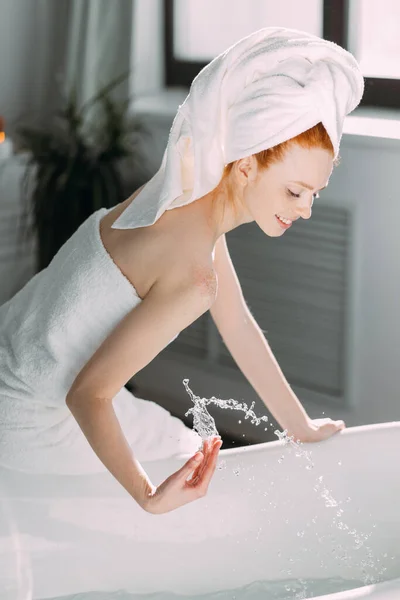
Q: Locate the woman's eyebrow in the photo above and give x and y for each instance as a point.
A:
(306, 185)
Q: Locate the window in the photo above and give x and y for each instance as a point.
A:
(376, 39)
(370, 30)
(224, 27)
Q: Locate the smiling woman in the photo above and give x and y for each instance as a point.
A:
(287, 179)
(129, 281)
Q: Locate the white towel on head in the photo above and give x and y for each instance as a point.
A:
(267, 88)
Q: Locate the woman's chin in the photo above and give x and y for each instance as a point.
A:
(271, 229)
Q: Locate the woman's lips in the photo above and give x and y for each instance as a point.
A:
(282, 224)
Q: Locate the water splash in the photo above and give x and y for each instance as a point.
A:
(299, 452)
(205, 426)
(368, 565)
(204, 423)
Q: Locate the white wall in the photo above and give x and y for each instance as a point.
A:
(367, 182)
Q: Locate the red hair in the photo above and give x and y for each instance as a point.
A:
(316, 137)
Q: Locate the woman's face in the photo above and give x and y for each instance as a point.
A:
(281, 194)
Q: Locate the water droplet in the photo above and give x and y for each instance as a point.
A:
(205, 426)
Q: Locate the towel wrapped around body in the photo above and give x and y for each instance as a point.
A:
(265, 89)
(48, 332)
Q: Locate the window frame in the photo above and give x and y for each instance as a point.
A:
(379, 92)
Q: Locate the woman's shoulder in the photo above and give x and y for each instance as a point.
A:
(171, 250)
(184, 258)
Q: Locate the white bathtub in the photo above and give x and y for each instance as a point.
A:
(264, 516)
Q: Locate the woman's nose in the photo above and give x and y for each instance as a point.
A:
(304, 207)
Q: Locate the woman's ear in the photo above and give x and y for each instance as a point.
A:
(246, 170)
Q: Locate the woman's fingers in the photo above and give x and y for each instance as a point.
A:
(330, 428)
(191, 465)
(210, 449)
(178, 489)
(206, 450)
(209, 453)
(335, 425)
(211, 465)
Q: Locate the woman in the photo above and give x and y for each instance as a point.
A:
(255, 140)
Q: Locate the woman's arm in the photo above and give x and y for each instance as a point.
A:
(249, 348)
(169, 307)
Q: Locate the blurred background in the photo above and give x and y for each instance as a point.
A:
(88, 92)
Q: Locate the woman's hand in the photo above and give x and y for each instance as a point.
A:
(317, 430)
(177, 490)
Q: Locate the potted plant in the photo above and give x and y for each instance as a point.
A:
(75, 165)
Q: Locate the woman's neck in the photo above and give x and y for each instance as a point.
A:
(219, 214)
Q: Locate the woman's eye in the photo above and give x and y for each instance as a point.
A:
(315, 196)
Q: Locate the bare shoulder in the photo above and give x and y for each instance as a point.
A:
(171, 267)
(184, 266)
(170, 251)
